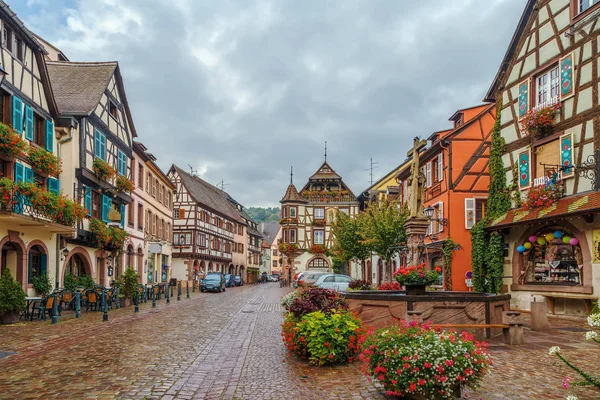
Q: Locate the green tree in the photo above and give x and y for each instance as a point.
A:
(349, 243)
(384, 229)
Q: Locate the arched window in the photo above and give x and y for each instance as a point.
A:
(318, 263)
(75, 266)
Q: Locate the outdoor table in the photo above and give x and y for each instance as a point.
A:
(30, 301)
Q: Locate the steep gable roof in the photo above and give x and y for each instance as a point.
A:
(325, 172)
(292, 195)
(208, 195)
(270, 231)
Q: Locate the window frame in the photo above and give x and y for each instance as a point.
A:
(549, 99)
(293, 210)
(293, 235)
(322, 235)
(315, 216)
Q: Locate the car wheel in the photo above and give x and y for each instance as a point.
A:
(202, 290)
(224, 289)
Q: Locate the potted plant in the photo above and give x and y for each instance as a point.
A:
(12, 298)
(11, 143)
(415, 279)
(543, 196)
(45, 162)
(124, 184)
(42, 284)
(129, 287)
(539, 122)
(103, 170)
(359, 284)
(418, 361)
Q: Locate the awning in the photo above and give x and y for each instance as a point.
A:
(583, 203)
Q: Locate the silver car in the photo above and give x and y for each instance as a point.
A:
(338, 282)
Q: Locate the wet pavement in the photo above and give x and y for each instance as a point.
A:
(228, 346)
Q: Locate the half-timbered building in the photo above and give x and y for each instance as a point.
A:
(271, 236)
(551, 67)
(96, 132)
(29, 234)
(203, 227)
(307, 217)
(455, 168)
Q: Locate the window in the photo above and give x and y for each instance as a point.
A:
(292, 236)
(318, 263)
(179, 213)
(547, 87)
(39, 131)
(131, 213)
(480, 205)
(202, 240)
(554, 262)
(583, 5)
(547, 157)
(96, 205)
(319, 213)
(182, 239)
(319, 236)
(344, 210)
(7, 38)
(154, 187)
(458, 122)
(141, 176)
(112, 109)
(161, 194)
(292, 212)
(474, 211)
(20, 49)
(428, 174)
(284, 235)
(99, 145)
(121, 163)
(140, 216)
(133, 171)
(148, 221)
(149, 183)
(160, 227)
(154, 224)
(168, 231)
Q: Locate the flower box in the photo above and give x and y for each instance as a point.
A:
(45, 162)
(543, 196)
(318, 249)
(11, 143)
(124, 184)
(538, 122)
(107, 237)
(103, 170)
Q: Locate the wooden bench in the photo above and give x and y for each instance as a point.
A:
(587, 299)
(512, 329)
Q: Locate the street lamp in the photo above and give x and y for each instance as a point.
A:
(429, 214)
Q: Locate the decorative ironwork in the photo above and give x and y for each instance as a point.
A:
(588, 169)
(20, 204)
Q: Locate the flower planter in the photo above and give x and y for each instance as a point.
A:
(415, 289)
(11, 317)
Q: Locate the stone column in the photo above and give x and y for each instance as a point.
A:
(416, 227)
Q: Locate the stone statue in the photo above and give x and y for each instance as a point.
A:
(416, 181)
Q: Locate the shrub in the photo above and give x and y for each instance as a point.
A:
(417, 275)
(418, 359)
(286, 301)
(103, 170)
(87, 282)
(42, 284)
(390, 286)
(359, 284)
(72, 282)
(43, 161)
(317, 299)
(12, 296)
(130, 283)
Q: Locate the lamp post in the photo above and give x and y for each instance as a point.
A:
(429, 214)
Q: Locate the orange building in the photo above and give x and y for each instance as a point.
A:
(455, 166)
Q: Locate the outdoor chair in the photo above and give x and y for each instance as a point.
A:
(66, 300)
(91, 301)
(45, 306)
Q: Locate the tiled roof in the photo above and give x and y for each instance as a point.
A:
(325, 172)
(254, 232)
(292, 195)
(578, 204)
(208, 195)
(270, 231)
(78, 87)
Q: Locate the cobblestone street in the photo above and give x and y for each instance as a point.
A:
(228, 346)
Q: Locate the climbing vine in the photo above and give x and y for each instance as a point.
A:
(448, 249)
(487, 250)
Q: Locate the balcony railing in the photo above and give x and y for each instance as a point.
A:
(554, 100)
(544, 180)
(326, 198)
(21, 204)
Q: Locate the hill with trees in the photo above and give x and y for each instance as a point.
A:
(261, 214)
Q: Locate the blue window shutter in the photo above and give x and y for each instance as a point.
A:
(88, 200)
(29, 175)
(122, 211)
(97, 143)
(49, 136)
(43, 264)
(103, 147)
(29, 270)
(54, 186)
(17, 114)
(19, 173)
(28, 122)
(121, 163)
(106, 206)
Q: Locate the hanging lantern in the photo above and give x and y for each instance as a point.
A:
(558, 234)
(566, 239)
(527, 245)
(574, 241)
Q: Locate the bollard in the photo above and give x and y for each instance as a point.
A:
(193, 286)
(136, 300)
(118, 300)
(78, 304)
(179, 291)
(187, 289)
(55, 309)
(104, 306)
(145, 294)
(153, 298)
(167, 294)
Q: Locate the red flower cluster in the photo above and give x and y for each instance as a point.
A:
(11, 142)
(124, 184)
(286, 248)
(103, 170)
(417, 275)
(318, 249)
(44, 161)
(537, 121)
(390, 286)
(543, 196)
(107, 236)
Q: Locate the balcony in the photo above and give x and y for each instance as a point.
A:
(433, 191)
(544, 180)
(329, 198)
(19, 211)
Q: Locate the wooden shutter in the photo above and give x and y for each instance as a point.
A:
(547, 154)
(524, 169)
(524, 97)
(103, 146)
(106, 206)
(428, 174)
(567, 76)
(121, 163)
(181, 213)
(440, 166)
(29, 175)
(122, 212)
(19, 173)
(469, 213)
(440, 216)
(17, 112)
(54, 186)
(49, 136)
(88, 200)
(28, 122)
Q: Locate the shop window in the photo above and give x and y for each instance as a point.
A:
(553, 256)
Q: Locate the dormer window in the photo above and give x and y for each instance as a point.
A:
(459, 121)
(112, 109)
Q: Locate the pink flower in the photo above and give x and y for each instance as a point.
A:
(566, 382)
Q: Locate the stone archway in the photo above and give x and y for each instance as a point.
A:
(83, 263)
(202, 267)
(231, 269)
(13, 256)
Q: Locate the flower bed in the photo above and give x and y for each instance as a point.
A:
(320, 329)
(43, 161)
(418, 275)
(11, 143)
(107, 236)
(413, 359)
(103, 170)
(124, 184)
(538, 122)
(543, 196)
(288, 299)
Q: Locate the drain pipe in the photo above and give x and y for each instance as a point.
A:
(58, 235)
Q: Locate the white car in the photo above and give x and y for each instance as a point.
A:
(338, 282)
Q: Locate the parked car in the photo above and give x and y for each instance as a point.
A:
(277, 276)
(213, 283)
(237, 281)
(273, 278)
(338, 282)
(298, 276)
(309, 279)
(228, 281)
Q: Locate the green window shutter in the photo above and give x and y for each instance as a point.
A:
(43, 264)
(28, 122)
(523, 98)
(122, 211)
(88, 200)
(524, 170)
(17, 114)
(121, 163)
(565, 66)
(49, 136)
(103, 146)
(97, 143)
(54, 186)
(29, 175)
(19, 173)
(106, 206)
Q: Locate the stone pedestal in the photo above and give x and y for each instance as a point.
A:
(416, 228)
(539, 318)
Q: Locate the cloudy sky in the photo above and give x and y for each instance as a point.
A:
(243, 89)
